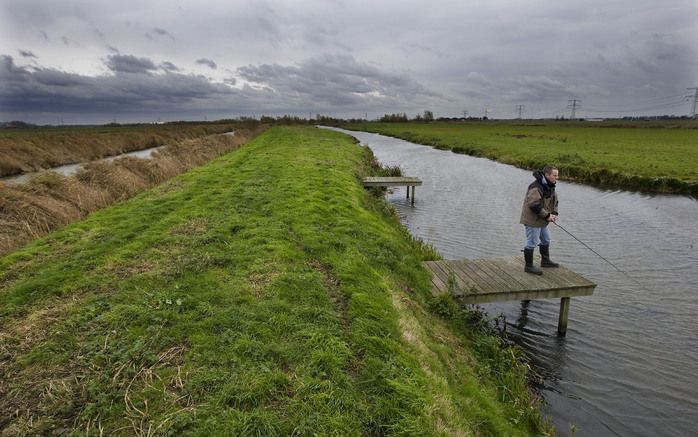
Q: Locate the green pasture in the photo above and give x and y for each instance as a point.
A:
(264, 294)
(655, 159)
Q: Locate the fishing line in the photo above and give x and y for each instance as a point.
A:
(600, 256)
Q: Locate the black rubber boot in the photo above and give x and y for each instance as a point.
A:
(530, 268)
(545, 260)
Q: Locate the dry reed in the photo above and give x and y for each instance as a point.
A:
(32, 150)
(50, 201)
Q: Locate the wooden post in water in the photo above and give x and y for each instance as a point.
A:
(376, 181)
(564, 312)
(477, 281)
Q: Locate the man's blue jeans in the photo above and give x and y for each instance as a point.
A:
(536, 236)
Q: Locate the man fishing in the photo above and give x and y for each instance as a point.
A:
(539, 209)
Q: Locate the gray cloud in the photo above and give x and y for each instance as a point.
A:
(285, 57)
(130, 64)
(162, 32)
(335, 81)
(331, 84)
(24, 90)
(209, 63)
(159, 32)
(27, 54)
(169, 66)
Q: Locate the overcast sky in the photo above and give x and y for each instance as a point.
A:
(98, 61)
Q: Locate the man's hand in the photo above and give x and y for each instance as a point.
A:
(552, 218)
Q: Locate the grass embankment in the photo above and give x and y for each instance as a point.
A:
(265, 293)
(50, 201)
(652, 159)
(25, 150)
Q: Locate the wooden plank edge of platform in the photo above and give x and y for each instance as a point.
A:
(390, 181)
(466, 294)
(525, 295)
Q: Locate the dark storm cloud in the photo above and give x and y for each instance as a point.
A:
(29, 89)
(208, 62)
(137, 86)
(130, 64)
(335, 81)
(169, 66)
(27, 54)
(162, 32)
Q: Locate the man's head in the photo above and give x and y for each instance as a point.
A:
(551, 174)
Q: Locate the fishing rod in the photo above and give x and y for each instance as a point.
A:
(600, 256)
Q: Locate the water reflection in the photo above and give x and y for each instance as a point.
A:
(629, 363)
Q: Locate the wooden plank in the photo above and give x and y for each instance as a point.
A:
(516, 266)
(392, 181)
(437, 288)
(439, 273)
(465, 284)
(502, 279)
(507, 273)
(461, 287)
(524, 295)
(495, 278)
(479, 277)
(440, 286)
(472, 285)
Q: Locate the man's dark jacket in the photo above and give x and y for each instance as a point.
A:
(540, 202)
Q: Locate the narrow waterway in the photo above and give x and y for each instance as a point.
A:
(629, 363)
(70, 169)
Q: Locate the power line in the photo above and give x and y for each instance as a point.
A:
(645, 102)
(520, 108)
(573, 106)
(695, 99)
(652, 108)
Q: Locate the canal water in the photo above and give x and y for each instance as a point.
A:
(70, 169)
(628, 365)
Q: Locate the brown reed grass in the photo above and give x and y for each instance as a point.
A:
(35, 149)
(50, 201)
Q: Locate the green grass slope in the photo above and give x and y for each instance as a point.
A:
(265, 293)
(654, 159)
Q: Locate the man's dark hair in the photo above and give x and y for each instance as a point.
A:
(549, 169)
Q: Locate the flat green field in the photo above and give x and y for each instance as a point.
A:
(264, 294)
(654, 159)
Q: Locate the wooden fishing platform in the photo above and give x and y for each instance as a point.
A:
(474, 281)
(393, 181)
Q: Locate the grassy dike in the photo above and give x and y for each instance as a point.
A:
(658, 158)
(265, 293)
